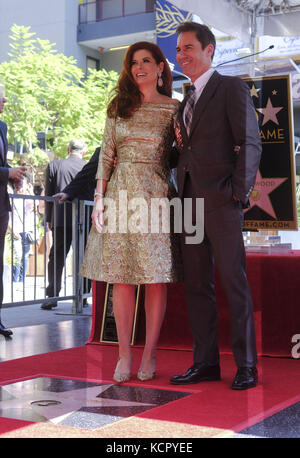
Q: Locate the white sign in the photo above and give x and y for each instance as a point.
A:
(296, 86)
(226, 50)
(283, 46)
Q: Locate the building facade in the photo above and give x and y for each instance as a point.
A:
(93, 32)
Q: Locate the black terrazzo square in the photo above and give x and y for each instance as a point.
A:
(141, 394)
(283, 424)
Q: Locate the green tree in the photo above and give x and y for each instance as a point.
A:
(47, 92)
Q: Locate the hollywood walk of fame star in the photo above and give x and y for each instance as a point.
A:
(269, 112)
(16, 403)
(274, 92)
(260, 194)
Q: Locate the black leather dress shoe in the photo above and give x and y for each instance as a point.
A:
(48, 305)
(85, 302)
(246, 377)
(197, 373)
(5, 332)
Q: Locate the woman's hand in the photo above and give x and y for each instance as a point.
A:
(98, 214)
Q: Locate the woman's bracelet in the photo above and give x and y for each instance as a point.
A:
(98, 194)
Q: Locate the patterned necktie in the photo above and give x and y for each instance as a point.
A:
(189, 108)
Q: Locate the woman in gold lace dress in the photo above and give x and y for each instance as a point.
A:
(139, 133)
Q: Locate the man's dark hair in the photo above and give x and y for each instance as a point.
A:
(203, 33)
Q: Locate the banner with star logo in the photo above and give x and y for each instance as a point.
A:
(168, 18)
(273, 199)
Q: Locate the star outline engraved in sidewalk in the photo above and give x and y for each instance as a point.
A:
(87, 407)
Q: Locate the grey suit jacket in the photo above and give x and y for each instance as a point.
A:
(83, 185)
(4, 172)
(59, 174)
(224, 116)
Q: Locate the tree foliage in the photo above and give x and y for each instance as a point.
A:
(47, 92)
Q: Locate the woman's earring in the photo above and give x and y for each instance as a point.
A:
(160, 82)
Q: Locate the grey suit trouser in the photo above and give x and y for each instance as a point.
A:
(223, 244)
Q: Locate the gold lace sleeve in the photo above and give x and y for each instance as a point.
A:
(108, 150)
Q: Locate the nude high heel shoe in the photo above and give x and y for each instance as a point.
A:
(143, 376)
(121, 377)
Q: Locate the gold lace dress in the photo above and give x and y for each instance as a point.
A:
(130, 251)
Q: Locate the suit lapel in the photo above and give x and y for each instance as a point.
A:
(4, 140)
(204, 98)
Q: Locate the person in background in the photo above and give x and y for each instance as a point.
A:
(83, 185)
(83, 188)
(59, 173)
(24, 233)
(14, 175)
(47, 232)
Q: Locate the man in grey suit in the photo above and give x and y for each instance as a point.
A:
(15, 176)
(59, 174)
(82, 187)
(219, 154)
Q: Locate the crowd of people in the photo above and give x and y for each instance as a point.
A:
(212, 140)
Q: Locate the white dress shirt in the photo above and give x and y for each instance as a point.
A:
(201, 82)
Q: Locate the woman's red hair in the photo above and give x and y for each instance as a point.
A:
(128, 96)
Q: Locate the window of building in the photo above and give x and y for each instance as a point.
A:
(92, 63)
